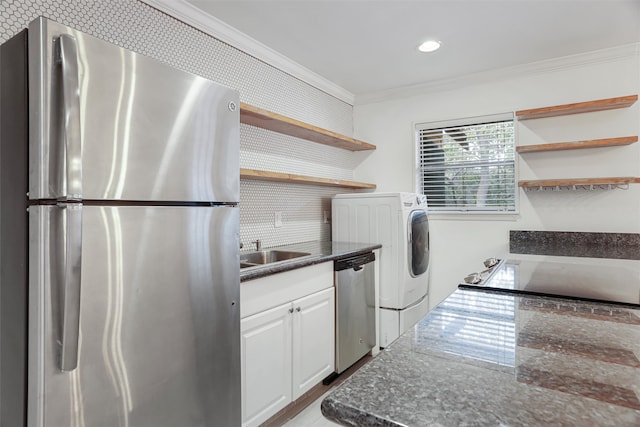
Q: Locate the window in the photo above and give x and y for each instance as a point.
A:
(468, 165)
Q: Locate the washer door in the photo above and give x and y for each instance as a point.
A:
(418, 242)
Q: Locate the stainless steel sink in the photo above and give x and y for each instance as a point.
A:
(253, 259)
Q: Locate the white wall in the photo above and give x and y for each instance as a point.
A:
(460, 243)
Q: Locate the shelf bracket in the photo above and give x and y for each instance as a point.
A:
(576, 187)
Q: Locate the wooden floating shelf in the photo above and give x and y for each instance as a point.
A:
(278, 123)
(579, 182)
(594, 143)
(302, 179)
(576, 108)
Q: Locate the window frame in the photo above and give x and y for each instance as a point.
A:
(450, 211)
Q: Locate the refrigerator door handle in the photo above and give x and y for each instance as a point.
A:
(71, 284)
(72, 177)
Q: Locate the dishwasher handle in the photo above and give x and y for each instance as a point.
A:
(354, 262)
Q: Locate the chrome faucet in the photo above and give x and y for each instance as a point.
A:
(258, 244)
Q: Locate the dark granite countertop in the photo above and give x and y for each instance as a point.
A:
(488, 359)
(577, 244)
(319, 252)
(593, 279)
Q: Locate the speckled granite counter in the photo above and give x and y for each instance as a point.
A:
(594, 279)
(319, 252)
(486, 359)
(578, 244)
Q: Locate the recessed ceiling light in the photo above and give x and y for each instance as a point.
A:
(429, 46)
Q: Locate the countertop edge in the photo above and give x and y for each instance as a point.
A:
(351, 416)
(314, 258)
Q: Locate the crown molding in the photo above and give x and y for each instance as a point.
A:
(191, 15)
(617, 53)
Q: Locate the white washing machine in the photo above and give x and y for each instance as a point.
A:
(400, 223)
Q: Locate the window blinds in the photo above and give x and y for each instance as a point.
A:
(468, 167)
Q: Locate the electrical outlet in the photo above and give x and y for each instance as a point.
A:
(277, 219)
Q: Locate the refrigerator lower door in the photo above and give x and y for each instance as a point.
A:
(159, 334)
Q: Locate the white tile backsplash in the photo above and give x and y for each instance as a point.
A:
(143, 29)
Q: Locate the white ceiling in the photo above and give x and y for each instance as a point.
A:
(371, 46)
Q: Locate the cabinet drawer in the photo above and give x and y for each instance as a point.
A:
(267, 292)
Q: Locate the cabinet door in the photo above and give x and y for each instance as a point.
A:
(313, 340)
(266, 364)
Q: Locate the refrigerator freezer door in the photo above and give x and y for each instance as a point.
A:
(148, 132)
(159, 336)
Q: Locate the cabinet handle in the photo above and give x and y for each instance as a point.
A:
(291, 310)
(298, 309)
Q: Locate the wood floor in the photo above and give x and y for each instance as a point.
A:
(311, 416)
(305, 412)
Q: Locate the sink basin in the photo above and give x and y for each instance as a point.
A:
(252, 259)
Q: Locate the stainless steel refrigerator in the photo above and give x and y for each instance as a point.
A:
(119, 184)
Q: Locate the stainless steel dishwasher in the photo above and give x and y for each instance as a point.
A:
(355, 308)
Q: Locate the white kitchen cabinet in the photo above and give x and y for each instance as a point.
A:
(266, 364)
(313, 346)
(288, 338)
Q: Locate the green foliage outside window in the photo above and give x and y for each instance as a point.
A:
(469, 167)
